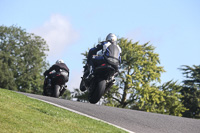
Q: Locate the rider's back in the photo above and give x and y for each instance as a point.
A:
(112, 54)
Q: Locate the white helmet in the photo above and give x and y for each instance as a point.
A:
(59, 61)
(111, 37)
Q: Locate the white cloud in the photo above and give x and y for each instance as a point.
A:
(59, 33)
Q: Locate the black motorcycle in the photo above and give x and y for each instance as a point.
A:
(55, 86)
(99, 82)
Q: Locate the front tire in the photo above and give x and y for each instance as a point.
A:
(97, 92)
(56, 91)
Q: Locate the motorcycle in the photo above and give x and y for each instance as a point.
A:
(55, 86)
(99, 82)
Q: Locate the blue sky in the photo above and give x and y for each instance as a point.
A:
(71, 27)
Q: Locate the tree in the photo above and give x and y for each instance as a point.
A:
(171, 103)
(6, 77)
(139, 69)
(80, 96)
(109, 99)
(191, 91)
(23, 56)
(67, 95)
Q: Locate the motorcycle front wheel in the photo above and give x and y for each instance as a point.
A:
(97, 91)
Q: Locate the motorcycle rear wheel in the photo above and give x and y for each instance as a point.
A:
(56, 91)
(82, 86)
(97, 92)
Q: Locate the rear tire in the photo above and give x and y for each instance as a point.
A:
(97, 92)
(46, 91)
(56, 91)
(82, 86)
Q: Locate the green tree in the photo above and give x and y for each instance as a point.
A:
(6, 77)
(171, 103)
(139, 69)
(80, 96)
(24, 59)
(67, 95)
(191, 91)
(112, 97)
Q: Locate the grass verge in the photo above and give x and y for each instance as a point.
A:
(21, 114)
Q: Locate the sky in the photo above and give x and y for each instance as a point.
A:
(72, 27)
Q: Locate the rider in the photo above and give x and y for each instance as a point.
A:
(58, 67)
(108, 51)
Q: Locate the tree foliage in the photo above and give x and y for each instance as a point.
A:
(171, 103)
(22, 59)
(67, 95)
(191, 91)
(80, 96)
(139, 69)
(6, 77)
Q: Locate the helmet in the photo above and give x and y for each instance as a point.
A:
(59, 61)
(111, 37)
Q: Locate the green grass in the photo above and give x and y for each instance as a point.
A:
(21, 114)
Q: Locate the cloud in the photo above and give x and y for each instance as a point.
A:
(58, 33)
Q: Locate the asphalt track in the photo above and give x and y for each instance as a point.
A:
(131, 120)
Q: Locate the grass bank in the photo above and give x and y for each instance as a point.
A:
(21, 114)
